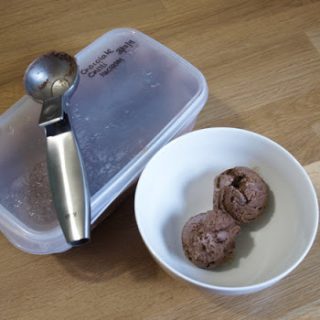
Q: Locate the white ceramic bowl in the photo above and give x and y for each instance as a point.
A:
(178, 183)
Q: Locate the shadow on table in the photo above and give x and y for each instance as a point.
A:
(220, 115)
(116, 248)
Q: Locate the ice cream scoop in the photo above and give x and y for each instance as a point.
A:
(208, 239)
(50, 80)
(242, 193)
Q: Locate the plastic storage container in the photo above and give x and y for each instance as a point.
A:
(134, 96)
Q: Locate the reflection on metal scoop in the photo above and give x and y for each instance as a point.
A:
(50, 79)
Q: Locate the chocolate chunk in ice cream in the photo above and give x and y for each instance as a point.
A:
(208, 239)
(242, 193)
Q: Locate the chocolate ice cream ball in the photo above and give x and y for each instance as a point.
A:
(242, 193)
(208, 239)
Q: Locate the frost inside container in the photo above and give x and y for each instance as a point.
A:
(134, 96)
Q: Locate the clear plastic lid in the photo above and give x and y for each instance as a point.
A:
(134, 96)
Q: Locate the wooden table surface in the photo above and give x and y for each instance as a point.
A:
(262, 63)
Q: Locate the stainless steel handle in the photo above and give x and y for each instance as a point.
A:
(69, 188)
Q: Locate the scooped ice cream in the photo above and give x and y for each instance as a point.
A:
(242, 193)
(208, 239)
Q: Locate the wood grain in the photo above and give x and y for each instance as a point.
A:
(262, 63)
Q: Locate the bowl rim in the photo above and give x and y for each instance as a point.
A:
(229, 289)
